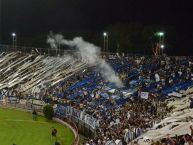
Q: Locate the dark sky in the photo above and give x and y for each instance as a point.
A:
(31, 17)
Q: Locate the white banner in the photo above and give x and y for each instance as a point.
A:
(81, 115)
(144, 95)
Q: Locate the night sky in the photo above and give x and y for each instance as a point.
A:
(33, 17)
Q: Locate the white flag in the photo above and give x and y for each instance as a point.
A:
(144, 95)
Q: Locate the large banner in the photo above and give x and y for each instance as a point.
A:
(80, 115)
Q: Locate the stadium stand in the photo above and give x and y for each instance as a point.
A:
(114, 115)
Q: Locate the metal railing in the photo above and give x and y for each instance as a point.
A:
(41, 51)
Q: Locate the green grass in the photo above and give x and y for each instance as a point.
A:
(19, 128)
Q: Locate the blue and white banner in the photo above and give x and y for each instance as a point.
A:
(80, 115)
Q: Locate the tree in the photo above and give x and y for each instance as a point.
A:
(138, 38)
(48, 112)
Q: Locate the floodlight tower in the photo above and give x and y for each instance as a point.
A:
(162, 49)
(161, 36)
(161, 42)
(14, 38)
(106, 42)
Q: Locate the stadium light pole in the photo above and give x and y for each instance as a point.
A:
(161, 33)
(14, 36)
(162, 49)
(104, 36)
(106, 41)
(161, 40)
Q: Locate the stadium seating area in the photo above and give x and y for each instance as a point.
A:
(115, 114)
(98, 98)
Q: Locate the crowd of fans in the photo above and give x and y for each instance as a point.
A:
(122, 117)
(125, 118)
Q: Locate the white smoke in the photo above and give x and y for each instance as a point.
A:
(52, 42)
(88, 52)
(109, 74)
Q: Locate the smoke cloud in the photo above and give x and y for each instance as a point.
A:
(88, 52)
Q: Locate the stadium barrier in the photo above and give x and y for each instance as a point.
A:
(67, 111)
(40, 51)
(85, 123)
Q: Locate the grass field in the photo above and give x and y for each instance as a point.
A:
(19, 128)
